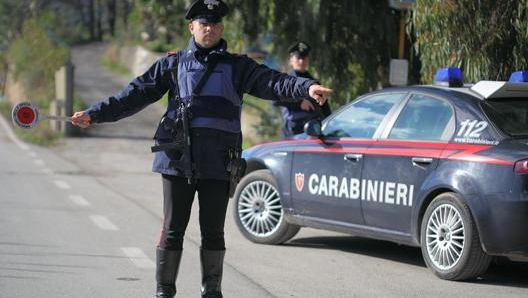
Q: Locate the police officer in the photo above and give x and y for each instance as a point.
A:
(296, 113)
(214, 121)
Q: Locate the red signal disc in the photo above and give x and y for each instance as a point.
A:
(25, 115)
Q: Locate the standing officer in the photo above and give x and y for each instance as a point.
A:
(213, 115)
(296, 113)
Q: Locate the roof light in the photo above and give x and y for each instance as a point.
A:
(519, 77)
(449, 76)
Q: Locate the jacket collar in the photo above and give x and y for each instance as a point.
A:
(202, 54)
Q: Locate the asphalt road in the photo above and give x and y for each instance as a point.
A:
(82, 220)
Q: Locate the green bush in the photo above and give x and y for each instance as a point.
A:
(35, 59)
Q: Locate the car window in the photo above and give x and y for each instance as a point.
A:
(361, 118)
(423, 118)
(510, 115)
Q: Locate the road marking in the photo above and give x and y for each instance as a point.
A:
(138, 257)
(62, 184)
(79, 200)
(103, 223)
(47, 171)
(12, 135)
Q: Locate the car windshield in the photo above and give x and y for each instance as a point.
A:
(509, 114)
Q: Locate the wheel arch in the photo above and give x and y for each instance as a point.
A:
(427, 201)
(455, 181)
(255, 165)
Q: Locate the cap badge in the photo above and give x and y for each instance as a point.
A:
(302, 47)
(211, 3)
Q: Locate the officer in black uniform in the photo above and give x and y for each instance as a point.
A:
(296, 113)
(213, 115)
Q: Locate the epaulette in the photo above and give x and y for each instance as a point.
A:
(171, 53)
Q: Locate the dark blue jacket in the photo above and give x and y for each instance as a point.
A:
(247, 77)
(294, 117)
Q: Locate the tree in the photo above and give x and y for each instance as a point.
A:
(352, 41)
(36, 59)
(12, 16)
(487, 39)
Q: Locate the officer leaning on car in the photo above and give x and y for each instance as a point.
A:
(211, 121)
(296, 113)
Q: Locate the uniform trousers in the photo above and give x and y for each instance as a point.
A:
(178, 197)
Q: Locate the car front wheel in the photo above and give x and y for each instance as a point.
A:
(449, 239)
(258, 210)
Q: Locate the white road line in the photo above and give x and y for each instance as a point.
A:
(12, 135)
(79, 200)
(62, 184)
(138, 257)
(103, 223)
(47, 171)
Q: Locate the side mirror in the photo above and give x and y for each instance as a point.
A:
(313, 128)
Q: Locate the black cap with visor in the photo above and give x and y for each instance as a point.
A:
(207, 11)
(300, 50)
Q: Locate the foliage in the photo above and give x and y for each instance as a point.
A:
(270, 121)
(486, 39)
(160, 23)
(12, 16)
(36, 59)
(352, 41)
(62, 25)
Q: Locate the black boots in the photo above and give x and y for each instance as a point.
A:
(212, 262)
(167, 265)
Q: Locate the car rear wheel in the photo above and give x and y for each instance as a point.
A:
(450, 242)
(258, 210)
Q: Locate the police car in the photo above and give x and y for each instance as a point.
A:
(443, 167)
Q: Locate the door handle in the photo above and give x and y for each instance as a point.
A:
(352, 157)
(417, 161)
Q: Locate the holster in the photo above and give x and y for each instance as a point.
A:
(236, 167)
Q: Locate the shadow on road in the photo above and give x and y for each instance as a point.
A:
(501, 272)
(364, 246)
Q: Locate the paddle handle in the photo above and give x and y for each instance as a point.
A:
(57, 118)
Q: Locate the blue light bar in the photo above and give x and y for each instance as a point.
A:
(449, 76)
(519, 77)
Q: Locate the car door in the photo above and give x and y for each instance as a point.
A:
(326, 172)
(396, 166)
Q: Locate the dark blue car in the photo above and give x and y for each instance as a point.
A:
(443, 167)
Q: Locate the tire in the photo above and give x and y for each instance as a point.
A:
(450, 242)
(258, 210)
